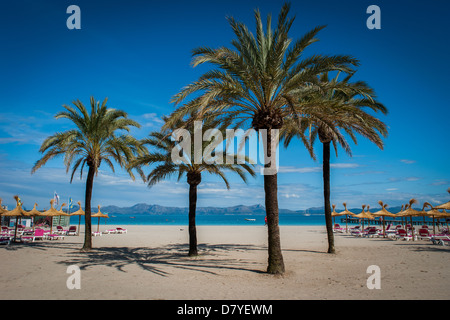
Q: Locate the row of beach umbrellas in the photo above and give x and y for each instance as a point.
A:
(405, 212)
(52, 212)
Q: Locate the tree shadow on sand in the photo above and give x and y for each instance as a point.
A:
(212, 258)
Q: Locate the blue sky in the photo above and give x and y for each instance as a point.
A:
(138, 54)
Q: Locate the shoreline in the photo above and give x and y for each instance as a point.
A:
(151, 262)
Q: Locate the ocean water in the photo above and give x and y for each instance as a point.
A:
(224, 219)
(182, 219)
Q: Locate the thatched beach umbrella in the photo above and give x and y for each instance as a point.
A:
(99, 215)
(436, 214)
(52, 212)
(445, 206)
(383, 213)
(409, 212)
(369, 215)
(16, 212)
(364, 215)
(423, 213)
(334, 213)
(33, 213)
(78, 213)
(347, 213)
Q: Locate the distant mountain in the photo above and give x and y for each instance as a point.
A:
(257, 209)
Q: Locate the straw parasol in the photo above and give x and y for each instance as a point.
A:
(369, 215)
(364, 215)
(99, 215)
(436, 214)
(334, 213)
(78, 213)
(423, 213)
(16, 212)
(445, 206)
(347, 213)
(33, 213)
(409, 212)
(383, 213)
(52, 212)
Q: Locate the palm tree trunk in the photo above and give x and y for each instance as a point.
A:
(87, 209)
(192, 229)
(326, 196)
(275, 260)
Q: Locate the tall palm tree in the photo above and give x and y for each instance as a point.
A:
(257, 83)
(166, 166)
(94, 139)
(338, 106)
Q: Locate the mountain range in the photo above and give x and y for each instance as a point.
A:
(257, 209)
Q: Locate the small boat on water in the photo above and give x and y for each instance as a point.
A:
(249, 219)
(132, 217)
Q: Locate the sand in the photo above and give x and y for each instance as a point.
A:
(150, 262)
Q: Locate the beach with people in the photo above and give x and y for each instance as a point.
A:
(151, 262)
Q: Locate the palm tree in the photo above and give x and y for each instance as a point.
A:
(338, 106)
(166, 166)
(257, 84)
(93, 140)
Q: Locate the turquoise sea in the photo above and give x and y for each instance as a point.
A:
(222, 219)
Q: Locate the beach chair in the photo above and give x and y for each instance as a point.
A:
(424, 234)
(53, 236)
(121, 230)
(110, 231)
(371, 232)
(440, 239)
(72, 231)
(60, 230)
(96, 233)
(402, 235)
(5, 239)
(338, 228)
(356, 231)
(5, 230)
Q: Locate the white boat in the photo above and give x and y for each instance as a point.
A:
(249, 219)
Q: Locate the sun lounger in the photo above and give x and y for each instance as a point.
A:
(72, 231)
(5, 239)
(38, 234)
(440, 239)
(371, 232)
(338, 228)
(96, 233)
(60, 230)
(356, 231)
(121, 230)
(424, 234)
(402, 235)
(110, 231)
(54, 236)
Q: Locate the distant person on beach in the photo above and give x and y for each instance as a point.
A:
(265, 220)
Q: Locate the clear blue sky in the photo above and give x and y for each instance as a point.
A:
(138, 53)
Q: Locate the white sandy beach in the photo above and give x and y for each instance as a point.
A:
(150, 262)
